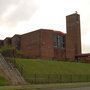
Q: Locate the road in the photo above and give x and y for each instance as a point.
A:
(80, 88)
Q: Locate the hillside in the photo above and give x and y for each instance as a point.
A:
(32, 66)
(44, 69)
(3, 79)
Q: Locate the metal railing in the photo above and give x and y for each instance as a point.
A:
(56, 78)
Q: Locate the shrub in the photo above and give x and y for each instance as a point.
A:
(9, 51)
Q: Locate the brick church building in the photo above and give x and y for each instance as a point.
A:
(50, 44)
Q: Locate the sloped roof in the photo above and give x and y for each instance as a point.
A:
(60, 33)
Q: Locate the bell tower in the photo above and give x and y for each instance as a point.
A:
(73, 37)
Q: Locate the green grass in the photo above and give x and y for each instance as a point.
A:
(44, 69)
(32, 66)
(3, 81)
(40, 69)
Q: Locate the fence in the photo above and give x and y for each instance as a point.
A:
(56, 78)
(12, 61)
(49, 78)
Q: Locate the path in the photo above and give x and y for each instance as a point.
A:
(80, 88)
(12, 73)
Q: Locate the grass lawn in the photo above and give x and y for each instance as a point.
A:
(43, 68)
(40, 69)
(3, 80)
(32, 66)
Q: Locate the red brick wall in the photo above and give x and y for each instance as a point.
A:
(30, 44)
(40, 44)
(73, 37)
(59, 54)
(1, 43)
(47, 48)
(7, 41)
(16, 41)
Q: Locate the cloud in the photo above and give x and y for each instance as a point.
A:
(13, 11)
(5, 3)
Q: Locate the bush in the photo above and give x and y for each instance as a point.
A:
(9, 51)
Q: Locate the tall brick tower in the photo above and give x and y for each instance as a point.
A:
(73, 37)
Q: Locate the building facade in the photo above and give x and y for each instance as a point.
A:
(16, 41)
(7, 41)
(73, 37)
(1, 43)
(43, 43)
(50, 44)
(46, 43)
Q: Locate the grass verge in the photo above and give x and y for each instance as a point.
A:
(48, 71)
(45, 86)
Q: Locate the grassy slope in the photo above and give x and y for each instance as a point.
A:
(53, 67)
(48, 67)
(3, 80)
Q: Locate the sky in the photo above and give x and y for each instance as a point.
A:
(22, 16)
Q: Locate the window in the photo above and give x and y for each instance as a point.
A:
(59, 41)
(55, 41)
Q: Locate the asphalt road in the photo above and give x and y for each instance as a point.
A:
(80, 88)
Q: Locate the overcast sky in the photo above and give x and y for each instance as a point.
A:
(21, 16)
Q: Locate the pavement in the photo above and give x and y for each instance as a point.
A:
(80, 88)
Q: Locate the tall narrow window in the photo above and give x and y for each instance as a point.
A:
(59, 41)
(55, 41)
